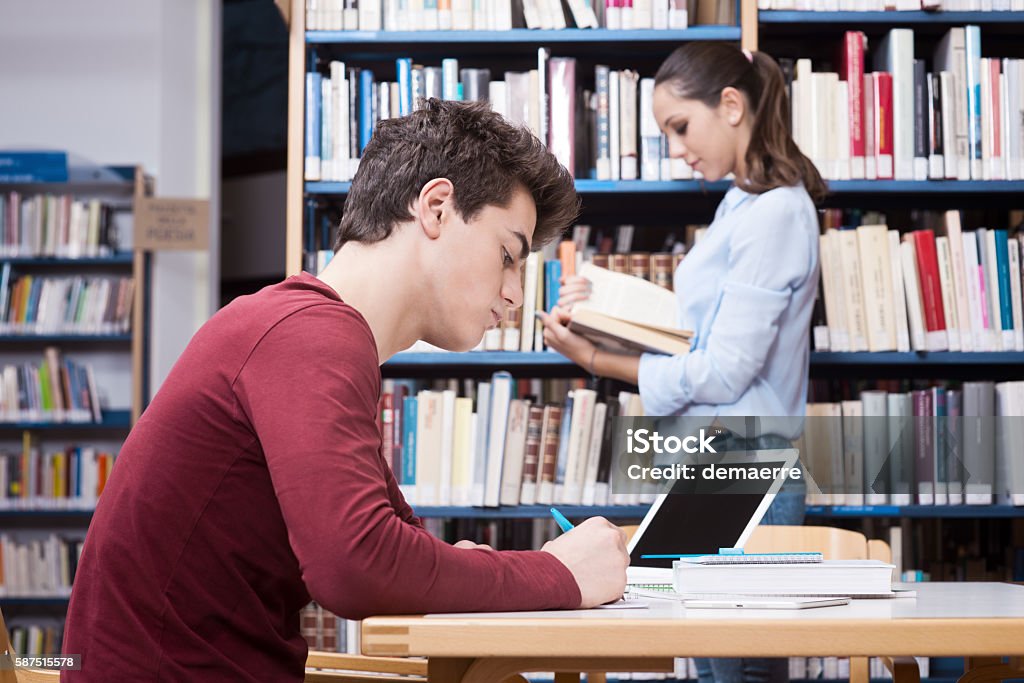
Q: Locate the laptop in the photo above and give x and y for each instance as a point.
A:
(682, 522)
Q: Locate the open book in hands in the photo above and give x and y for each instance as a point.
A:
(626, 313)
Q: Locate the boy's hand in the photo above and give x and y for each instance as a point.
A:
(574, 288)
(595, 553)
(576, 348)
(470, 545)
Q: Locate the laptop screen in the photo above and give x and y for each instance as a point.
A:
(684, 523)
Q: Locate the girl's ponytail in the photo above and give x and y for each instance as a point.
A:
(701, 70)
(773, 158)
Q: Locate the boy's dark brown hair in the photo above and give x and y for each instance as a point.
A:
(485, 157)
(701, 70)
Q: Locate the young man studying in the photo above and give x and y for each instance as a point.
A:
(254, 481)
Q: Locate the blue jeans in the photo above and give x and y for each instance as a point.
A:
(787, 509)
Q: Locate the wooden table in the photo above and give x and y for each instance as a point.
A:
(979, 621)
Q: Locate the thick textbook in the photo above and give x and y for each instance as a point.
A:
(626, 313)
(829, 577)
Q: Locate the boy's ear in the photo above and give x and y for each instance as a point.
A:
(435, 205)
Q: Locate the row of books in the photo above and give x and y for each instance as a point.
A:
(34, 639)
(98, 305)
(937, 446)
(31, 166)
(503, 15)
(960, 121)
(55, 225)
(607, 132)
(501, 449)
(38, 565)
(69, 479)
(54, 390)
(958, 291)
(325, 631)
(893, 5)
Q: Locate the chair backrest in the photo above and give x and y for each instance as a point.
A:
(6, 660)
(832, 543)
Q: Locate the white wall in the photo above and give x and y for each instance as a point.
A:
(127, 82)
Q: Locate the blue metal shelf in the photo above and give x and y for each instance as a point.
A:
(501, 359)
(916, 358)
(534, 511)
(64, 338)
(46, 513)
(85, 177)
(123, 258)
(112, 419)
(480, 358)
(926, 186)
(520, 36)
(917, 511)
(888, 18)
(583, 186)
(836, 187)
(34, 601)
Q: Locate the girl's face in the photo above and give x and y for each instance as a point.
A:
(711, 140)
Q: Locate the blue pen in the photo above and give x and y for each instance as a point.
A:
(565, 524)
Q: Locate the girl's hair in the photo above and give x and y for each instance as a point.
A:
(701, 70)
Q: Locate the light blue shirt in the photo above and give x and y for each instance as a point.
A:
(747, 291)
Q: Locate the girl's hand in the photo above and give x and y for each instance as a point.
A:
(575, 288)
(576, 348)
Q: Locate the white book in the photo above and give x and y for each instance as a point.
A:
(594, 454)
(896, 55)
(876, 445)
(501, 396)
(945, 259)
(959, 275)
(580, 428)
(515, 451)
(975, 303)
(829, 577)
(447, 447)
(480, 443)
(650, 135)
(429, 436)
(950, 56)
(463, 438)
(870, 159)
(915, 307)
(832, 281)
(628, 82)
(614, 124)
(370, 15)
(853, 291)
(462, 15)
(853, 452)
(876, 283)
(1004, 337)
(841, 131)
(899, 294)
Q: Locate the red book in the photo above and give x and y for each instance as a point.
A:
(567, 255)
(997, 146)
(883, 124)
(931, 287)
(852, 71)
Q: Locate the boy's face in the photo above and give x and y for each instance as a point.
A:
(478, 271)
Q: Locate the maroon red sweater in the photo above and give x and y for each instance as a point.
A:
(254, 483)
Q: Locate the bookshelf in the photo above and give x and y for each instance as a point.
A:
(116, 349)
(781, 33)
